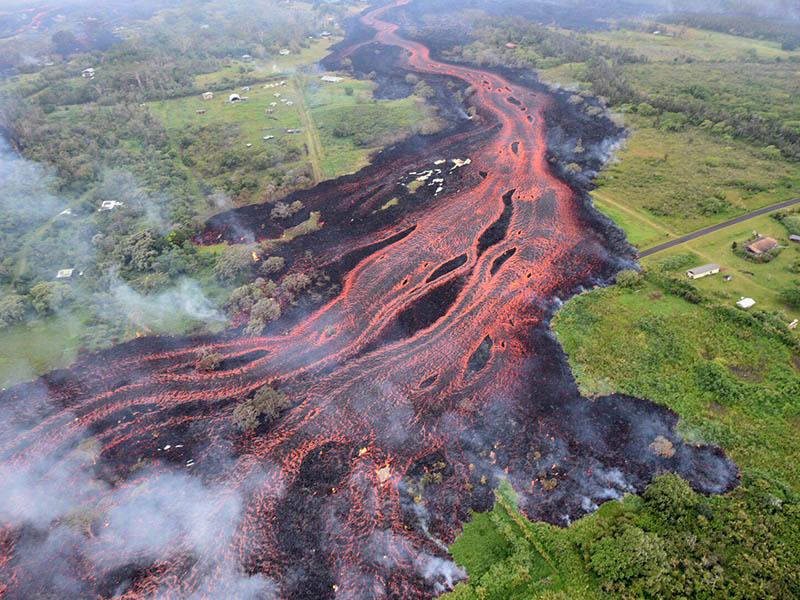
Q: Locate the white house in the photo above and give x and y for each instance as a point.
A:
(88, 73)
(234, 98)
(285, 52)
(331, 79)
(704, 271)
(208, 96)
(65, 274)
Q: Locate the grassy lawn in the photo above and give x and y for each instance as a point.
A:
(317, 109)
(36, 348)
(698, 44)
(761, 282)
(732, 382)
(265, 68)
(668, 183)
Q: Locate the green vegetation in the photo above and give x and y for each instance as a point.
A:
(734, 380)
(136, 132)
(670, 543)
(684, 43)
(676, 182)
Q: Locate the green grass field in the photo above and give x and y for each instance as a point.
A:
(668, 183)
(762, 282)
(266, 68)
(697, 44)
(33, 349)
(731, 382)
(317, 109)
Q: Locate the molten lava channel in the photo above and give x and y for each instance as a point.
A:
(426, 381)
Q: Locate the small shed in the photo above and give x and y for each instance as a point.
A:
(65, 274)
(746, 303)
(331, 79)
(208, 96)
(762, 246)
(794, 238)
(234, 98)
(285, 52)
(88, 73)
(704, 271)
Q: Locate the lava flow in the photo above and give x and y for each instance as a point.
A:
(427, 380)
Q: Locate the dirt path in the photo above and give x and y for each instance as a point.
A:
(312, 135)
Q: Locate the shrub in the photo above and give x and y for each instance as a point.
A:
(272, 265)
(47, 297)
(629, 279)
(267, 403)
(207, 359)
(264, 311)
(12, 309)
(233, 264)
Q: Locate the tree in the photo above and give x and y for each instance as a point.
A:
(65, 42)
(629, 279)
(233, 264)
(267, 403)
(12, 309)
(272, 265)
(629, 555)
(47, 297)
(263, 312)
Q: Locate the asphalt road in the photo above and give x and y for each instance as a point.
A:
(700, 233)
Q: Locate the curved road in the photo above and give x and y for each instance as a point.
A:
(700, 233)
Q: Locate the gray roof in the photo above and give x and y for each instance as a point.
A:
(794, 238)
(704, 269)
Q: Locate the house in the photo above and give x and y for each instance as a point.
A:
(762, 246)
(234, 98)
(65, 274)
(331, 79)
(110, 205)
(246, 88)
(325, 34)
(704, 271)
(269, 137)
(746, 303)
(247, 57)
(67, 212)
(794, 238)
(294, 131)
(208, 96)
(88, 73)
(285, 52)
